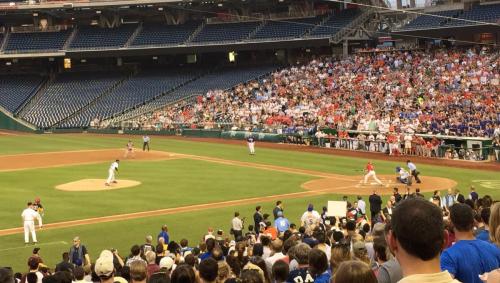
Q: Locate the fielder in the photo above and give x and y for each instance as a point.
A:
(29, 215)
(251, 145)
(370, 172)
(111, 173)
(129, 149)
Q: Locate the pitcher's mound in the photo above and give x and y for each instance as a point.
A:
(92, 185)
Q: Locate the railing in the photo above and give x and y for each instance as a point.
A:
(30, 29)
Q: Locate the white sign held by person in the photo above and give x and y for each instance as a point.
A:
(337, 208)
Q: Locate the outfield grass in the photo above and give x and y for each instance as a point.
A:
(169, 183)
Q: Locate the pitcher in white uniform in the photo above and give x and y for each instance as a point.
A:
(111, 173)
(29, 215)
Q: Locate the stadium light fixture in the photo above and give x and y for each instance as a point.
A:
(97, 12)
(160, 8)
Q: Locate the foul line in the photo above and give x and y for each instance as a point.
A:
(36, 245)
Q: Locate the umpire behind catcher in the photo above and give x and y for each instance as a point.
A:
(413, 171)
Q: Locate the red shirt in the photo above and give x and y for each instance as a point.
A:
(369, 167)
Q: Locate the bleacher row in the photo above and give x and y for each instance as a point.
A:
(74, 99)
(455, 18)
(149, 34)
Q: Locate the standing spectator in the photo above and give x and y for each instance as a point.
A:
(468, 257)
(237, 226)
(449, 199)
(135, 255)
(280, 271)
(104, 267)
(257, 218)
(375, 207)
(484, 233)
(318, 266)
(417, 244)
(413, 171)
(473, 195)
(277, 254)
(361, 205)
(387, 212)
(281, 223)
(311, 218)
(301, 255)
(33, 265)
(78, 253)
(396, 194)
(184, 274)
(354, 272)
(148, 246)
(152, 266)
(164, 234)
(458, 196)
(64, 265)
(279, 207)
(208, 270)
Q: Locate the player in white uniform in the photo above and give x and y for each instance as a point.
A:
(29, 215)
(251, 145)
(111, 173)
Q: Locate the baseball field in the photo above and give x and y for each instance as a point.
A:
(186, 184)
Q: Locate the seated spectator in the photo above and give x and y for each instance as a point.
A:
(183, 274)
(484, 232)
(354, 272)
(64, 265)
(6, 275)
(152, 267)
(79, 274)
(104, 267)
(341, 252)
(208, 270)
(417, 245)
(280, 271)
(468, 258)
(138, 272)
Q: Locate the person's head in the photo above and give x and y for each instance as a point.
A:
(494, 223)
(29, 204)
(65, 256)
(318, 262)
(472, 189)
(258, 249)
(280, 271)
(301, 253)
(31, 277)
(408, 161)
(258, 208)
(462, 217)
(183, 273)
(149, 239)
(236, 214)
(138, 271)
(150, 257)
(354, 272)
(76, 241)
(278, 203)
(104, 267)
(6, 275)
(485, 215)
(395, 190)
(423, 237)
(135, 250)
(251, 276)
(208, 270)
(164, 228)
(277, 245)
(159, 277)
(210, 244)
(78, 272)
(117, 161)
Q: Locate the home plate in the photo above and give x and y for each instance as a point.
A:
(92, 185)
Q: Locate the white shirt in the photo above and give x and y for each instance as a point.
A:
(113, 166)
(30, 215)
(145, 138)
(412, 166)
(310, 217)
(237, 224)
(272, 259)
(362, 206)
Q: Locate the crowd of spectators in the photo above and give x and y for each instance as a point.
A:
(447, 239)
(448, 92)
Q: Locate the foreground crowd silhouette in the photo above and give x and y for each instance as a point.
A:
(412, 239)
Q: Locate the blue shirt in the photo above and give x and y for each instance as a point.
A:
(323, 278)
(483, 235)
(164, 235)
(281, 224)
(467, 259)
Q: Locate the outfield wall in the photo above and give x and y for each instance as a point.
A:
(9, 123)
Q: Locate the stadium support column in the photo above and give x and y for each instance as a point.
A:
(345, 48)
(399, 4)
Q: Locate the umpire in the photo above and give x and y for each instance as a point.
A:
(413, 171)
(145, 144)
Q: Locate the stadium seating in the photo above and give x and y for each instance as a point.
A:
(483, 13)
(67, 94)
(431, 21)
(137, 90)
(286, 29)
(226, 32)
(90, 37)
(334, 23)
(158, 34)
(36, 41)
(16, 89)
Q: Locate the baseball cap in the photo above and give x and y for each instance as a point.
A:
(398, 169)
(104, 264)
(358, 246)
(166, 262)
(310, 207)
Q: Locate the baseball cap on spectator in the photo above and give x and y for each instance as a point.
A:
(310, 207)
(104, 264)
(358, 246)
(166, 262)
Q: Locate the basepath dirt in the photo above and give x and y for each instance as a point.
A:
(326, 182)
